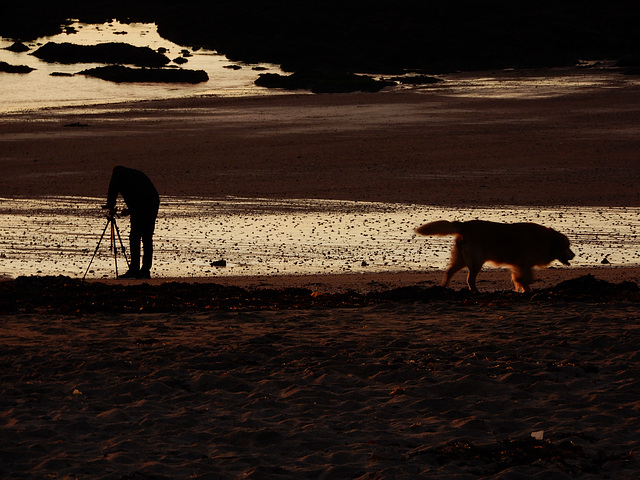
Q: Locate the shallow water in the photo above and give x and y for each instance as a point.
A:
(58, 236)
(39, 89)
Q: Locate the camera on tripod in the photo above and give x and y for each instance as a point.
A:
(115, 233)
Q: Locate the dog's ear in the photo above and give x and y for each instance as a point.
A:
(559, 246)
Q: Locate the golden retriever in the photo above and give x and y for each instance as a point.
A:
(521, 246)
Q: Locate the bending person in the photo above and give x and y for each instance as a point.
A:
(142, 201)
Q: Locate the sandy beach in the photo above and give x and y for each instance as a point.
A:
(531, 145)
(374, 376)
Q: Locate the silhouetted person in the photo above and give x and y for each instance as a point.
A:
(142, 202)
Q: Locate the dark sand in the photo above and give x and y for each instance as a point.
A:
(433, 148)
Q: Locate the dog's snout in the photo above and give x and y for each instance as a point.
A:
(568, 255)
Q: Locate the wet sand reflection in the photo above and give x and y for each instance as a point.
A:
(57, 236)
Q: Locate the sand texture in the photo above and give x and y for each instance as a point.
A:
(395, 390)
(544, 147)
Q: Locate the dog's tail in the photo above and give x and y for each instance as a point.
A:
(441, 227)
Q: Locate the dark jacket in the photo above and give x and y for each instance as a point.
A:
(138, 192)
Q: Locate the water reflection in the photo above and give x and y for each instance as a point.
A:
(39, 89)
(57, 236)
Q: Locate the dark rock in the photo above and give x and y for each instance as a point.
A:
(589, 286)
(61, 74)
(18, 47)
(417, 80)
(121, 74)
(115, 53)
(368, 36)
(180, 60)
(219, 263)
(322, 82)
(8, 68)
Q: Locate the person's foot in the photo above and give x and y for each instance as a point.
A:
(144, 273)
(133, 274)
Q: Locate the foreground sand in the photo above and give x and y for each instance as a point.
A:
(290, 382)
(449, 388)
(491, 279)
(156, 380)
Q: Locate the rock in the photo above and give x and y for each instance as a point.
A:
(18, 47)
(120, 74)
(8, 68)
(417, 80)
(322, 82)
(589, 286)
(114, 53)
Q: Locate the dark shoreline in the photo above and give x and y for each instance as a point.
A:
(360, 36)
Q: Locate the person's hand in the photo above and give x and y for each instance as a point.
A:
(112, 210)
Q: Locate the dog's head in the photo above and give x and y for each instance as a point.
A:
(560, 248)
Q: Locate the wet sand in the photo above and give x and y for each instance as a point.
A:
(258, 237)
(549, 145)
(429, 382)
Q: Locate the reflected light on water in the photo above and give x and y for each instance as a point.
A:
(39, 89)
(57, 236)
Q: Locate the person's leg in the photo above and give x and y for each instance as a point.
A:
(147, 257)
(147, 241)
(134, 248)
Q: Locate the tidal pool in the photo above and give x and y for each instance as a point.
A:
(59, 235)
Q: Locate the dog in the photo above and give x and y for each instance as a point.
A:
(521, 246)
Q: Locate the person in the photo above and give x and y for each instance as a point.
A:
(142, 201)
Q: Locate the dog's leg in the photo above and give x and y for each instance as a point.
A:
(522, 277)
(456, 264)
(474, 270)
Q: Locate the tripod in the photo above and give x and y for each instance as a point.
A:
(115, 231)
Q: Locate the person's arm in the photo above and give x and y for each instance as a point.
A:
(113, 191)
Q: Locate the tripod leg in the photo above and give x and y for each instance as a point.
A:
(96, 250)
(124, 251)
(113, 245)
